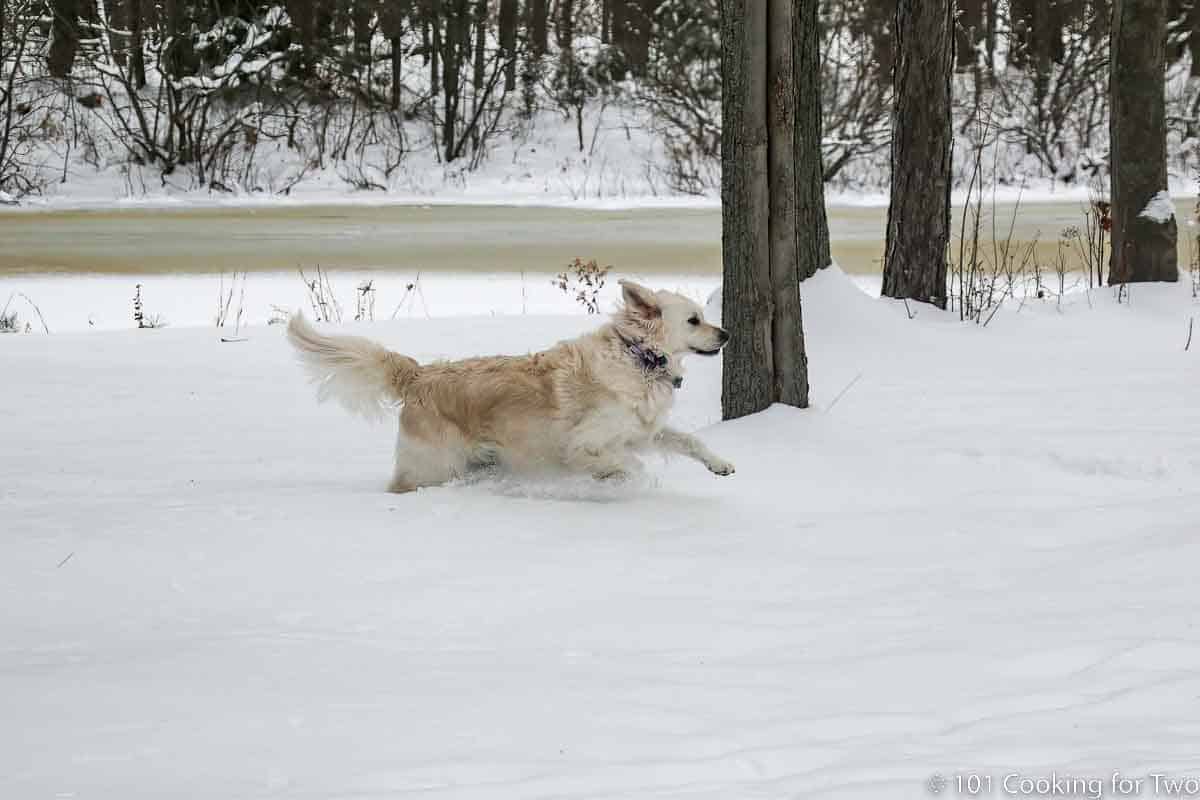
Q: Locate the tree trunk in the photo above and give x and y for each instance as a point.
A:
(990, 16)
(918, 226)
(64, 37)
(812, 226)
(787, 346)
(456, 44)
(539, 11)
(362, 22)
(435, 55)
(640, 18)
(480, 19)
(137, 46)
(392, 16)
(303, 15)
(748, 377)
(770, 106)
(565, 29)
(397, 64)
(508, 42)
(1192, 21)
(618, 25)
(481, 28)
(1143, 245)
(970, 32)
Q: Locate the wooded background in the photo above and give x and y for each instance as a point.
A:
(365, 82)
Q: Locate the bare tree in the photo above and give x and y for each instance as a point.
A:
(64, 37)
(918, 227)
(812, 226)
(770, 153)
(1144, 231)
(539, 21)
(508, 41)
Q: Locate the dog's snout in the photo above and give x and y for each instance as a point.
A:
(723, 334)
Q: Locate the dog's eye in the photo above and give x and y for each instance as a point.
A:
(693, 320)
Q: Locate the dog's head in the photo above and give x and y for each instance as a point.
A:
(670, 322)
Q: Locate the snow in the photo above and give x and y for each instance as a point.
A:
(974, 555)
(1160, 209)
(105, 302)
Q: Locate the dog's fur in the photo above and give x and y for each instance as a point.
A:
(586, 404)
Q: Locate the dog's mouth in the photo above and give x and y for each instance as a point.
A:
(713, 352)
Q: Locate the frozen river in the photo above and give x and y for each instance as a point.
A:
(440, 238)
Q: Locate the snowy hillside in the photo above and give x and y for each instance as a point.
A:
(973, 555)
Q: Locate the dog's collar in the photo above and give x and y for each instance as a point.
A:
(651, 361)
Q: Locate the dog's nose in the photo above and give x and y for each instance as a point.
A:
(724, 336)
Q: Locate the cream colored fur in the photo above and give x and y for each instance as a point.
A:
(584, 405)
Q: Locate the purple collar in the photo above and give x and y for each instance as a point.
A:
(651, 361)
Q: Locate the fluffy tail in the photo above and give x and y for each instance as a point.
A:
(364, 377)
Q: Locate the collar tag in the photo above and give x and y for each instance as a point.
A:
(651, 361)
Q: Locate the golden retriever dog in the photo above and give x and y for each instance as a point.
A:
(585, 405)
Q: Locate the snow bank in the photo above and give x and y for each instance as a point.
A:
(1160, 209)
(977, 558)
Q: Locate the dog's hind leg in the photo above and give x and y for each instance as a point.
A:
(420, 465)
(684, 444)
(420, 462)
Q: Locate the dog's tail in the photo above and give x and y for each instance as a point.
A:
(366, 378)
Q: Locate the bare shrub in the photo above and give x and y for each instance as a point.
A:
(321, 299)
(10, 321)
(364, 301)
(237, 285)
(141, 316)
(412, 293)
(584, 280)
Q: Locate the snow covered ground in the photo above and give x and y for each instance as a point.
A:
(975, 555)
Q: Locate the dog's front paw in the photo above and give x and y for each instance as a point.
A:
(617, 475)
(719, 467)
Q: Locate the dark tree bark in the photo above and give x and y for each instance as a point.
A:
(640, 19)
(64, 37)
(391, 23)
(970, 31)
(812, 226)
(361, 16)
(918, 226)
(1143, 248)
(481, 27)
(773, 231)
(539, 18)
(875, 25)
(1037, 33)
(991, 15)
(787, 344)
(435, 54)
(565, 29)
(397, 62)
(618, 29)
(118, 24)
(748, 377)
(137, 45)
(303, 16)
(1193, 23)
(457, 46)
(508, 42)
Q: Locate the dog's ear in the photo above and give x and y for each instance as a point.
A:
(640, 299)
